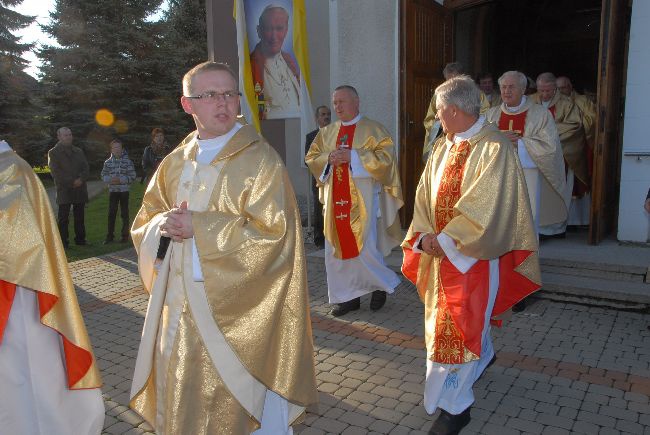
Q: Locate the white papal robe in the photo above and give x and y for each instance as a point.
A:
(281, 89)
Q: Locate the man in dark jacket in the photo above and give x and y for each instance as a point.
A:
(323, 118)
(69, 169)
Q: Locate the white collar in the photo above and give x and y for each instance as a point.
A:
(4, 146)
(352, 121)
(472, 131)
(219, 141)
(517, 108)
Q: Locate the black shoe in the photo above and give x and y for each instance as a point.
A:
(346, 307)
(449, 424)
(378, 300)
(519, 306)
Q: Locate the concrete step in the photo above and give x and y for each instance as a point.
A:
(607, 271)
(595, 291)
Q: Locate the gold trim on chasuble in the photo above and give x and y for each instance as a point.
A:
(449, 344)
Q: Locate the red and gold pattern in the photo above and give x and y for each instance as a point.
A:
(449, 188)
(342, 197)
(510, 122)
(449, 345)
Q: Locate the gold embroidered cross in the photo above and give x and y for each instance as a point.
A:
(342, 216)
(341, 202)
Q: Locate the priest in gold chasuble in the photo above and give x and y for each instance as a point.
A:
(572, 137)
(534, 137)
(49, 380)
(579, 213)
(226, 345)
(471, 249)
(354, 163)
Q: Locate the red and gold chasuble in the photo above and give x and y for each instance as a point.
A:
(342, 198)
(510, 122)
(459, 317)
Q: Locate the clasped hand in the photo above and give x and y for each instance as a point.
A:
(339, 157)
(177, 223)
(431, 246)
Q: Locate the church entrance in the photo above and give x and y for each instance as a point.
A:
(585, 40)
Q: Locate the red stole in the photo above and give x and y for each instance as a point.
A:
(552, 110)
(510, 122)
(342, 199)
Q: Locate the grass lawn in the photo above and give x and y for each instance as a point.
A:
(97, 223)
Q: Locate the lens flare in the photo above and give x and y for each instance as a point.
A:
(104, 117)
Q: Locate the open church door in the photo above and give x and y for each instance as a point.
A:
(425, 47)
(612, 61)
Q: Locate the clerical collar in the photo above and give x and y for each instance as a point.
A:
(4, 146)
(517, 108)
(472, 131)
(352, 121)
(219, 141)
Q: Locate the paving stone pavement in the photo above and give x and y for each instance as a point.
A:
(561, 368)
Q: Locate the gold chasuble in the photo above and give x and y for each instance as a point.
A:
(32, 256)
(542, 142)
(204, 368)
(346, 230)
(572, 134)
(456, 195)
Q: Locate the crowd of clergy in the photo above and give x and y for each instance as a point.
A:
(226, 344)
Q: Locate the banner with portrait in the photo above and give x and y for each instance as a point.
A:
(272, 42)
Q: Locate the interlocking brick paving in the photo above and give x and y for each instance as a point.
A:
(561, 368)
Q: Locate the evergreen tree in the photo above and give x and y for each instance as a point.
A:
(18, 115)
(183, 44)
(104, 61)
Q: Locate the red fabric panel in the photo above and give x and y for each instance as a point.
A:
(411, 261)
(513, 286)
(467, 298)
(7, 293)
(342, 198)
(77, 359)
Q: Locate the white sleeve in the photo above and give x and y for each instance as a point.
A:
(462, 262)
(358, 171)
(525, 159)
(417, 243)
(325, 174)
(197, 273)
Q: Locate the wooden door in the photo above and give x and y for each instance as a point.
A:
(425, 48)
(614, 34)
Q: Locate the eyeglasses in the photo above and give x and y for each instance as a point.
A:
(216, 96)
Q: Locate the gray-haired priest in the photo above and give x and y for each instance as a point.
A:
(471, 249)
(226, 346)
(354, 163)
